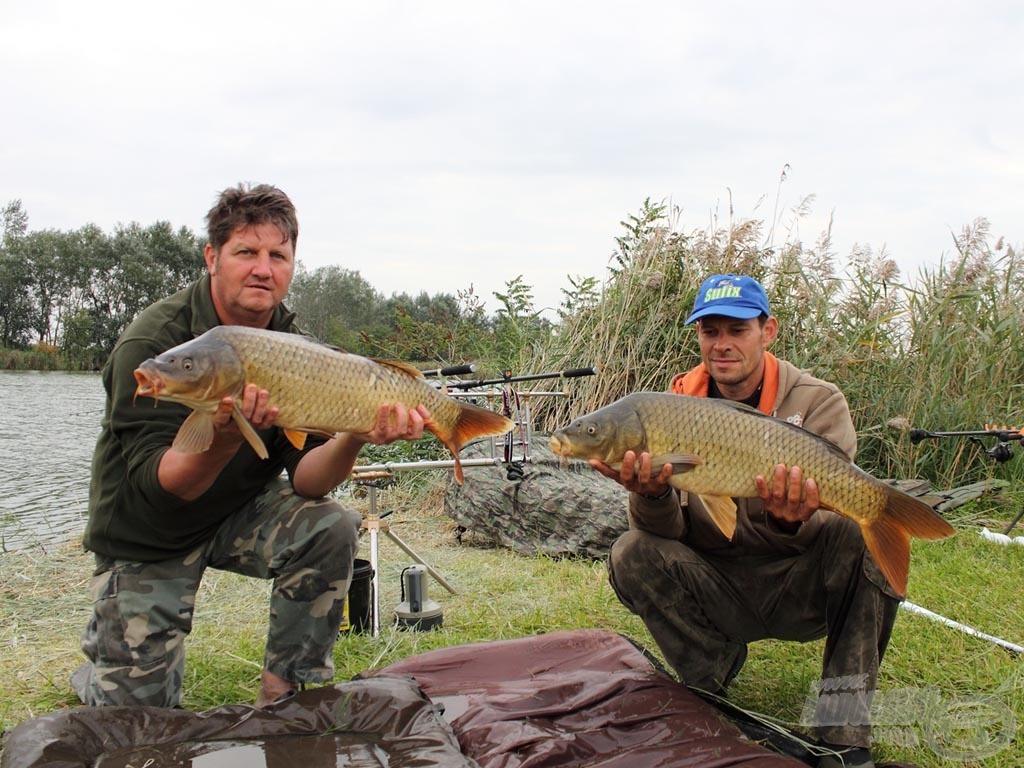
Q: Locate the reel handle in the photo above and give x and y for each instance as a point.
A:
(452, 370)
(572, 373)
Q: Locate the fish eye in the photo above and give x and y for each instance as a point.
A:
(186, 364)
(591, 429)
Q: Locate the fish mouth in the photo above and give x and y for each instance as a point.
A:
(147, 384)
(560, 446)
(562, 449)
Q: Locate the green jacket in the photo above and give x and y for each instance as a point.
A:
(130, 516)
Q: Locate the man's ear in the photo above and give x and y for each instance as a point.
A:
(770, 331)
(210, 257)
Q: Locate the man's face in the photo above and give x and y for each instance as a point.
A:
(250, 274)
(733, 350)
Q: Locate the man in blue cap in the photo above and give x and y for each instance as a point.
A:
(791, 571)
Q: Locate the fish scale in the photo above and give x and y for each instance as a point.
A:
(315, 388)
(718, 447)
(306, 370)
(759, 443)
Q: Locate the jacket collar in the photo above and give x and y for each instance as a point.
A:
(695, 382)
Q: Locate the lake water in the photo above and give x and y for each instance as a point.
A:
(49, 422)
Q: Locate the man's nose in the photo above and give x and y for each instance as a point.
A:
(261, 266)
(723, 343)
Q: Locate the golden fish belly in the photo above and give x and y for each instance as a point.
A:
(316, 387)
(734, 447)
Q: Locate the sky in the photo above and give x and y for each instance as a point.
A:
(446, 145)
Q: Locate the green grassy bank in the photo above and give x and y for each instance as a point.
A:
(955, 683)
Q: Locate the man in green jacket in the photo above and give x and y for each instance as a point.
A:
(791, 571)
(159, 517)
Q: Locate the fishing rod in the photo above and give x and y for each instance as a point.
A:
(1001, 451)
(515, 404)
(508, 378)
(451, 370)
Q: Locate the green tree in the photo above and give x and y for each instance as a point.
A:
(14, 220)
(518, 326)
(16, 306)
(338, 306)
(136, 267)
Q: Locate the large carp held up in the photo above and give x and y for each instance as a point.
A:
(718, 447)
(315, 388)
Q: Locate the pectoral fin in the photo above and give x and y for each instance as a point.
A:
(249, 433)
(297, 437)
(681, 462)
(195, 433)
(722, 510)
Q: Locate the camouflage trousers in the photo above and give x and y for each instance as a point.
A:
(142, 611)
(703, 610)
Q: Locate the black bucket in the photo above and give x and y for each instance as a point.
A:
(359, 603)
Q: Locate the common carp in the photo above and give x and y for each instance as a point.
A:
(316, 389)
(717, 448)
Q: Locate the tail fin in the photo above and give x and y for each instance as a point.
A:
(888, 537)
(915, 516)
(889, 544)
(473, 421)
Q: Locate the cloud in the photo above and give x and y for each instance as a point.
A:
(434, 146)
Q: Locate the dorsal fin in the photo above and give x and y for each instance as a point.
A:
(406, 368)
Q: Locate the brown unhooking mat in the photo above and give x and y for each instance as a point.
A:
(573, 699)
(568, 699)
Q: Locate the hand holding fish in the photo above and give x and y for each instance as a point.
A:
(789, 498)
(635, 474)
(187, 474)
(396, 422)
(255, 407)
(716, 447)
(316, 389)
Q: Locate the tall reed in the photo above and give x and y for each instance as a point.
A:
(944, 352)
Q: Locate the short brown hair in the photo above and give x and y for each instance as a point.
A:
(248, 204)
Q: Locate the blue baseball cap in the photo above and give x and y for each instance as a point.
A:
(736, 296)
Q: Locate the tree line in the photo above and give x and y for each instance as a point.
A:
(66, 296)
(943, 351)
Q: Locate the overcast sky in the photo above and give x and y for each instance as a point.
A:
(440, 145)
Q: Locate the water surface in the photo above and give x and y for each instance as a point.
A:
(49, 422)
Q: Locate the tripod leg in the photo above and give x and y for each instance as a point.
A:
(409, 551)
(1014, 521)
(375, 592)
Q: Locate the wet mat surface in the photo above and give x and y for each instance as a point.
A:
(366, 723)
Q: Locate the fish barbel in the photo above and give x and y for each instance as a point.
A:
(316, 389)
(718, 447)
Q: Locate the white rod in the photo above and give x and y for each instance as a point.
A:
(1013, 647)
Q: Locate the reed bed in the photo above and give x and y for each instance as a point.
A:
(943, 351)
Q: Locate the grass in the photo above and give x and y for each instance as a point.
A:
(941, 671)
